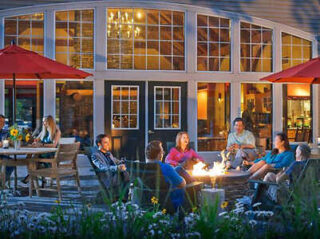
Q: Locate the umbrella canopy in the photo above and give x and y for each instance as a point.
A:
(30, 65)
(308, 72)
(16, 62)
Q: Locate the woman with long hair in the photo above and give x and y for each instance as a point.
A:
(182, 153)
(49, 135)
(281, 156)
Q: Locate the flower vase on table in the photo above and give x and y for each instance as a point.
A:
(17, 144)
(17, 135)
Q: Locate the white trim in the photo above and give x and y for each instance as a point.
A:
(155, 105)
(146, 116)
(129, 100)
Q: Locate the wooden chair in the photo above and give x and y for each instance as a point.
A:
(67, 140)
(64, 164)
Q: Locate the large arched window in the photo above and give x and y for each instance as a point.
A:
(26, 31)
(74, 38)
(140, 39)
(256, 48)
(213, 43)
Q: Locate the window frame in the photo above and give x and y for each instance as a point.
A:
(129, 100)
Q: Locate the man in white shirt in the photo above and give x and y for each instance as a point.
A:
(241, 144)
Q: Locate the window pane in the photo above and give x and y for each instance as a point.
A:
(213, 115)
(256, 108)
(297, 112)
(147, 35)
(167, 107)
(125, 99)
(76, 27)
(295, 50)
(74, 110)
(29, 104)
(256, 50)
(213, 46)
(26, 30)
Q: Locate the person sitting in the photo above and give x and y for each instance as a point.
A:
(268, 193)
(113, 167)
(241, 144)
(303, 152)
(4, 135)
(154, 154)
(182, 154)
(182, 157)
(49, 137)
(281, 156)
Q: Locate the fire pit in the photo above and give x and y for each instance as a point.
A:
(234, 182)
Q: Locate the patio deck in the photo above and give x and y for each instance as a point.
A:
(70, 196)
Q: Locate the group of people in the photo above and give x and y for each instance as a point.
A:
(48, 137)
(174, 168)
(241, 145)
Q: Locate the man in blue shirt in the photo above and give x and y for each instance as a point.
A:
(4, 134)
(154, 154)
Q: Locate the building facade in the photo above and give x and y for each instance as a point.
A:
(162, 67)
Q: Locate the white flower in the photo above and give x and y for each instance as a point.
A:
(217, 230)
(44, 215)
(253, 223)
(35, 219)
(249, 212)
(222, 214)
(157, 214)
(31, 226)
(22, 218)
(256, 204)
(42, 229)
(151, 232)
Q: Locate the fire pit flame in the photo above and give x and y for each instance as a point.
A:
(219, 168)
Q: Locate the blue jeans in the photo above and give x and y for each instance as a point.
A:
(9, 170)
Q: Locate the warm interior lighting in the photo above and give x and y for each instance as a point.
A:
(202, 104)
(298, 90)
(139, 15)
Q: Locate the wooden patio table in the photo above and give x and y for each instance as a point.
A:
(19, 162)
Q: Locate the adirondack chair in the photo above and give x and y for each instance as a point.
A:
(298, 187)
(149, 182)
(109, 193)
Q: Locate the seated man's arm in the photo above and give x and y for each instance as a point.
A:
(101, 164)
(182, 184)
(175, 179)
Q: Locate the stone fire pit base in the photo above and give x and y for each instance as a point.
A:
(234, 182)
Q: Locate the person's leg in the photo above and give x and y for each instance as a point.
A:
(255, 167)
(261, 172)
(270, 177)
(238, 159)
(9, 171)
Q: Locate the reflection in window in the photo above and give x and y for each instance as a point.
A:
(295, 50)
(125, 107)
(143, 39)
(256, 48)
(74, 38)
(256, 108)
(213, 115)
(167, 107)
(26, 31)
(29, 103)
(213, 43)
(74, 110)
(297, 112)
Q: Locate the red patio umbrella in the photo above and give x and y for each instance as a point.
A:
(18, 63)
(308, 72)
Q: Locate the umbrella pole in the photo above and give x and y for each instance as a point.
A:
(14, 98)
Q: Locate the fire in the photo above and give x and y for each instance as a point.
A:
(218, 169)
